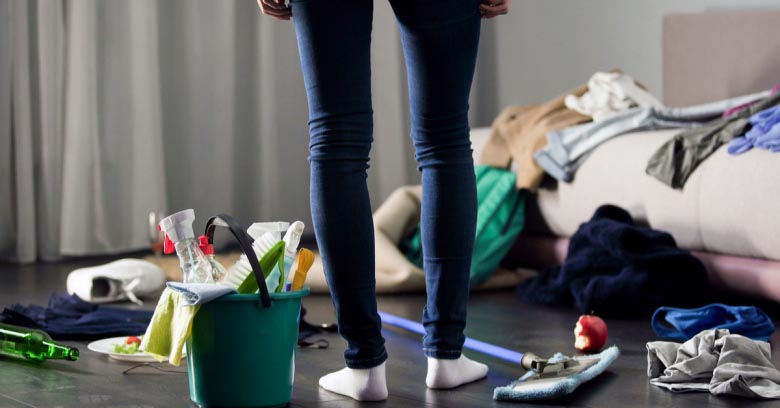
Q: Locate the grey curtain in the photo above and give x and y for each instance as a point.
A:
(111, 109)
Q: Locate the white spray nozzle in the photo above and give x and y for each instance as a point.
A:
(293, 237)
(178, 226)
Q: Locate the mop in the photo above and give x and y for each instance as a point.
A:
(546, 378)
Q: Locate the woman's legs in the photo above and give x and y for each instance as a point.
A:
(334, 39)
(440, 40)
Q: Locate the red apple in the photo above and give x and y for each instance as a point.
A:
(590, 334)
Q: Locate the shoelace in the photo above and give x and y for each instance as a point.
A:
(128, 287)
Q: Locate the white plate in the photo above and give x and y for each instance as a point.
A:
(106, 346)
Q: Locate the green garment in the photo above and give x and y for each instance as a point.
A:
(676, 159)
(170, 328)
(500, 218)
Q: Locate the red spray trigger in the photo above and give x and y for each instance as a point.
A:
(169, 247)
(205, 246)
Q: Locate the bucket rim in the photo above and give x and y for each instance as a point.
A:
(254, 297)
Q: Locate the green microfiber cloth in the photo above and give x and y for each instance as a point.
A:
(522, 390)
(170, 328)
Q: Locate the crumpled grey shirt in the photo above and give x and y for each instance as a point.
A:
(714, 361)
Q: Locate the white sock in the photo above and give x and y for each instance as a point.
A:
(366, 384)
(452, 373)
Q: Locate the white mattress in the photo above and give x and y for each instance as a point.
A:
(730, 204)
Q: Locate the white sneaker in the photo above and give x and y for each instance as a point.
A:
(118, 280)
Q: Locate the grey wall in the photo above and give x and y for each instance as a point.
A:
(543, 47)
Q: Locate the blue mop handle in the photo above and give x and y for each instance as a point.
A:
(471, 344)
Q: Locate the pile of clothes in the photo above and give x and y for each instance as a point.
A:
(558, 136)
(616, 268)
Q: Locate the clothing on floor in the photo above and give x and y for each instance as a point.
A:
(568, 148)
(440, 44)
(67, 317)
(170, 327)
(520, 131)
(676, 159)
(682, 324)
(616, 268)
(714, 361)
(394, 220)
(764, 133)
(610, 93)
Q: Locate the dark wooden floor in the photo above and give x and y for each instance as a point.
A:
(497, 317)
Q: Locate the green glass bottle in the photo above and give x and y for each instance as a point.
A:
(33, 345)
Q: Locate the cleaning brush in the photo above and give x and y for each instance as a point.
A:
(305, 260)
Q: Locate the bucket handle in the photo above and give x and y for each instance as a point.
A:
(245, 241)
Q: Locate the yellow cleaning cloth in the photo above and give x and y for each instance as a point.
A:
(170, 327)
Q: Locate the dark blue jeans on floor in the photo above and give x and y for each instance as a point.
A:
(440, 40)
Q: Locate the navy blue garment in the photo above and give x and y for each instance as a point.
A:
(682, 324)
(440, 40)
(618, 269)
(67, 317)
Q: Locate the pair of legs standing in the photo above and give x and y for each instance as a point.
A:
(440, 40)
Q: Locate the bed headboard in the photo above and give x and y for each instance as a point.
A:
(715, 55)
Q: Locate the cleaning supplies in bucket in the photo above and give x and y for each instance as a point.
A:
(217, 270)
(262, 326)
(242, 349)
(305, 261)
(269, 240)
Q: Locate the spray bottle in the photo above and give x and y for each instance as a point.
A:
(179, 236)
(291, 240)
(218, 271)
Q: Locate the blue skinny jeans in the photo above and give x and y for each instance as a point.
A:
(440, 40)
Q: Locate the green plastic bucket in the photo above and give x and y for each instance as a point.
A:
(242, 349)
(242, 354)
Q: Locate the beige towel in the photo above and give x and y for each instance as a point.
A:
(520, 131)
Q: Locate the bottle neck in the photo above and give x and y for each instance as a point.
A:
(56, 351)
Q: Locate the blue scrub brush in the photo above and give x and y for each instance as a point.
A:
(545, 379)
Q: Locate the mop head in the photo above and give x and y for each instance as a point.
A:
(535, 389)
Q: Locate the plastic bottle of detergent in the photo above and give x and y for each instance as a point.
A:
(217, 270)
(179, 236)
(292, 239)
